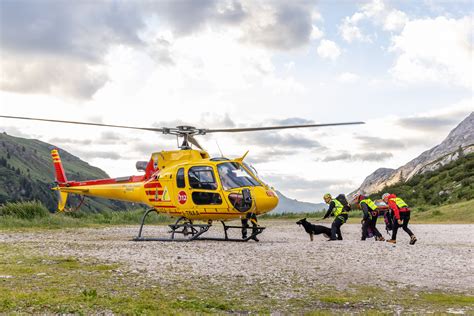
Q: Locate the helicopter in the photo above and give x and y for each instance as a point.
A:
(186, 183)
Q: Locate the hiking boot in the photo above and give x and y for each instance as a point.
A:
(380, 238)
(392, 241)
(413, 240)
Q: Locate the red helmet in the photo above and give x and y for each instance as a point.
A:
(360, 197)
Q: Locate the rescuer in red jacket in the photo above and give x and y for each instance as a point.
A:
(401, 216)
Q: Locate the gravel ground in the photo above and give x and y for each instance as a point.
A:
(442, 259)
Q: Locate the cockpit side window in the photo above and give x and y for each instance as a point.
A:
(233, 175)
(202, 177)
(180, 181)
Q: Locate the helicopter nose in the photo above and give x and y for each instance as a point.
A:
(267, 200)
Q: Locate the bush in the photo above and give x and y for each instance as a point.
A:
(24, 210)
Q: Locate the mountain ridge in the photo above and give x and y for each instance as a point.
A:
(460, 141)
(27, 173)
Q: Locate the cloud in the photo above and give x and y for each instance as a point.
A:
(348, 77)
(292, 121)
(371, 157)
(85, 155)
(328, 50)
(279, 25)
(435, 50)
(377, 143)
(427, 123)
(268, 155)
(62, 49)
(58, 48)
(63, 140)
(376, 12)
(280, 140)
(305, 189)
(58, 76)
(205, 120)
(187, 17)
(316, 33)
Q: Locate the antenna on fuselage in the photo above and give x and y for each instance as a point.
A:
(222, 155)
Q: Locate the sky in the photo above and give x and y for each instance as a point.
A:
(404, 67)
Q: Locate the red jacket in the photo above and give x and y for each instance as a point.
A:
(393, 206)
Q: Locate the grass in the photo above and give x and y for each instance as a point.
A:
(456, 213)
(35, 215)
(38, 284)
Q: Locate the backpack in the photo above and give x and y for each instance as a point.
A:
(342, 199)
(388, 219)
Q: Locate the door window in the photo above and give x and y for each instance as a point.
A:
(202, 177)
(180, 181)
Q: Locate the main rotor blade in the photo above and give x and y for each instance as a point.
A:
(83, 123)
(267, 128)
(194, 141)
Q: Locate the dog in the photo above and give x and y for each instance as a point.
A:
(314, 229)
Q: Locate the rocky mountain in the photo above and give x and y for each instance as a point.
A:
(287, 205)
(27, 173)
(460, 141)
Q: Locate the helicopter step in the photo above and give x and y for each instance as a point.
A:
(191, 231)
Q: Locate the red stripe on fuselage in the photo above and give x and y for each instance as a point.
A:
(152, 185)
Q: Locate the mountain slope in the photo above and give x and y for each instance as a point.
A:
(287, 205)
(451, 183)
(27, 173)
(460, 141)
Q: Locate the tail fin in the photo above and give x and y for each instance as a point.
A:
(58, 167)
(62, 199)
(60, 178)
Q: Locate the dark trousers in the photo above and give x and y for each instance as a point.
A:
(405, 217)
(336, 227)
(370, 223)
(245, 224)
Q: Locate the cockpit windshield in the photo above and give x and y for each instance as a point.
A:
(233, 175)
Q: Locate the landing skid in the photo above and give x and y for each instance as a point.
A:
(191, 231)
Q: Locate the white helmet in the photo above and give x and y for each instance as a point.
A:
(385, 195)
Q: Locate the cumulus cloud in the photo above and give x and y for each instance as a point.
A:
(316, 33)
(376, 12)
(58, 76)
(279, 25)
(59, 48)
(435, 50)
(328, 50)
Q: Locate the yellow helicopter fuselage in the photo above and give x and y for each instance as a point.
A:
(181, 183)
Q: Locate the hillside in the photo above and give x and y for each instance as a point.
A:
(451, 183)
(459, 142)
(287, 205)
(26, 173)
